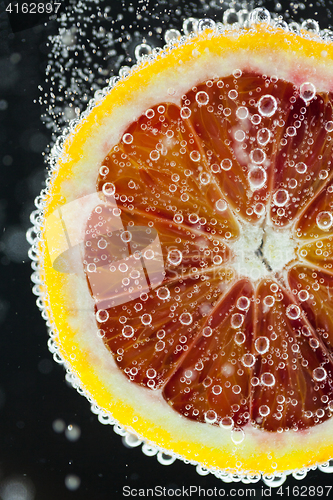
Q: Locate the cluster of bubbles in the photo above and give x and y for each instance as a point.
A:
(96, 42)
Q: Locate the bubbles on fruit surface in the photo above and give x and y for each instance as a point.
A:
(293, 311)
(102, 315)
(237, 435)
(257, 177)
(258, 156)
(263, 136)
(324, 220)
(319, 374)
(261, 345)
(301, 168)
(175, 257)
(248, 360)
(221, 205)
(267, 379)
(210, 417)
(260, 15)
(202, 98)
(226, 164)
(267, 105)
(264, 410)
(281, 197)
(186, 318)
(109, 189)
(307, 91)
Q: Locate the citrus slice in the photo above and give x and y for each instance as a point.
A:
(186, 250)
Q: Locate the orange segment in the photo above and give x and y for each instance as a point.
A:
(189, 198)
(294, 362)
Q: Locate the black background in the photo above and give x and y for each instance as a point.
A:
(33, 390)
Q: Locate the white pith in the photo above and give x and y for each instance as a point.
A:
(262, 250)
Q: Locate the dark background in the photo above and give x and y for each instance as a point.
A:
(39, 458)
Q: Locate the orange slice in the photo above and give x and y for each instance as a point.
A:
(186, 251)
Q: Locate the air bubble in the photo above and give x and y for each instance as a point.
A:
(307, 91)
(195, 155)
(236, 389)
(175, 257)
(242, 113)
(126, 236)
(226, 164)
(159, 346)
(128, 331)
(239, 135)
(230, 17)
(210, 417)
(221, 205)
(267, 105)
(237, 320)
(190, 25)
(237, 435)
(216, 389)
(255, 119)
(171, 36)
(232, 94)
(240, 338)
(310, 25)
(264, 410)
(163, 293)
(257, 156)
(123, 267)
(103, 171)
(291, 131)
(206, 24)
(319, 374)
(259, 209)
(324, 220)
(142, 50)
(293, 311)
(260, 15)
(146, 319)
(127, 138)
(301, 168)
(109, 189)
(263, 136)
(267, 379)
(303, 295)
(329, 126)
(178, 218)
(207, 331)
(243, 303)
(102, 316)
(227, 423)
(281, 197)
(91, 268)
(269, 301)
(185, 318)
(204, 178)
(257, 177)
(185, 112)
(151, 373)
(202, 98)
(261, 345)
(150, 113)
(149, 254)
(248, 360)
(154, 155)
